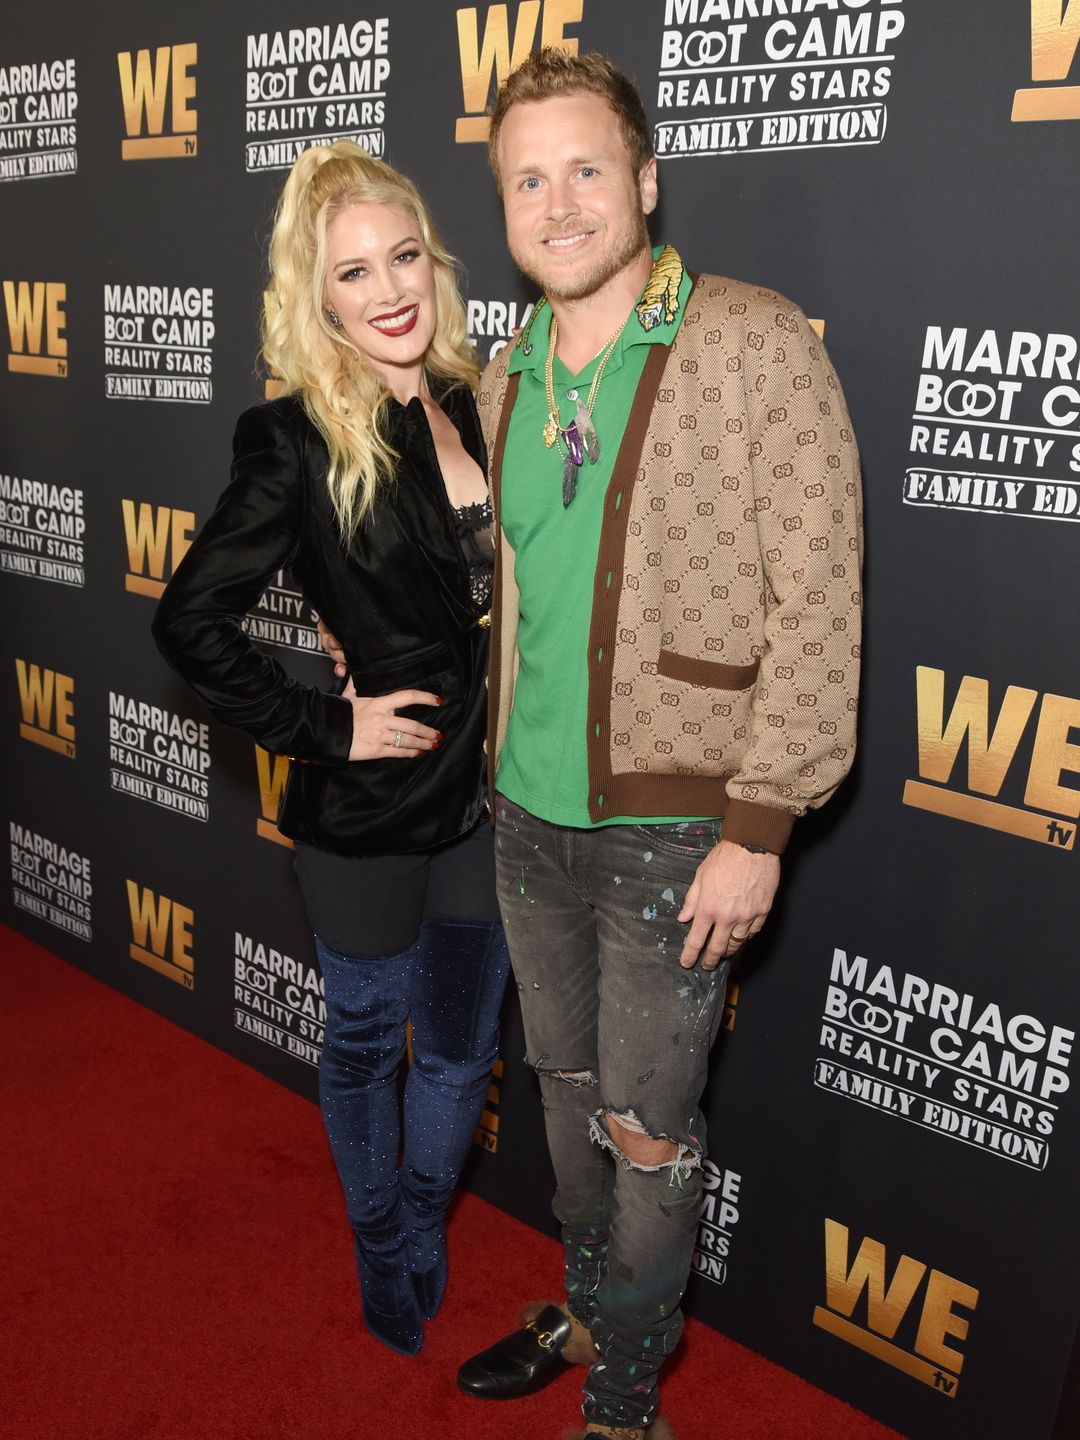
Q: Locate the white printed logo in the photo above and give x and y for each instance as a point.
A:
(313, 86)
(52, 882)
(942, 1059)
(42, 531)
(159, 757)
(159, 343)
(996, 424)
(277, 999)
(735, 81)
(37, 120)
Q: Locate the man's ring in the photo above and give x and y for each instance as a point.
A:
(398, 738)
(739, 938)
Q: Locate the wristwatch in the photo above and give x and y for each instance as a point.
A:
(754, 849)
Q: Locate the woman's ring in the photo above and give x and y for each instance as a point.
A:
(398, 738)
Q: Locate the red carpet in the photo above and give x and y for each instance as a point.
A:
(177, 1264)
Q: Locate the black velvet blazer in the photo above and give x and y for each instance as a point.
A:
(398, 600)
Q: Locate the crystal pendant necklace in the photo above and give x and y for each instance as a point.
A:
(579, 437)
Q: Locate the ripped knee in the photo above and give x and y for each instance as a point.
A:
(577, 1078)
(640, 1147)
(626, 1138)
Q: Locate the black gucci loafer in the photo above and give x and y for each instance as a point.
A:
(522, 1362)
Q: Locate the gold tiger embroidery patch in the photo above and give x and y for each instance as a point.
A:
(659, 301)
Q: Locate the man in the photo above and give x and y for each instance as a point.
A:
(673, 681)
(675, 642)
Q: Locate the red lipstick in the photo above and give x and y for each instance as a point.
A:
(411, 314)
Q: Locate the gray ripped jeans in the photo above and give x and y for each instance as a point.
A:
(614, 1026)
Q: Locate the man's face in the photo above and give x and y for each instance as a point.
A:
(575, 210)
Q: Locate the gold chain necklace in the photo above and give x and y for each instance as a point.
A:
(579, 437)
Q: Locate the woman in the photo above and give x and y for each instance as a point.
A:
(366, 480)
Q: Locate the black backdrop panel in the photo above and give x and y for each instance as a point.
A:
(894, 1178)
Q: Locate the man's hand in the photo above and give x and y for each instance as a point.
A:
(732, 894)
(330, 644)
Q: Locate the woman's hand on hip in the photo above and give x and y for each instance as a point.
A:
(379, 733)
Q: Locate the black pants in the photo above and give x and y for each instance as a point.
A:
(375, 906)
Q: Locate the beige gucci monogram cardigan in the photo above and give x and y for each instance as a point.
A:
(724, 642)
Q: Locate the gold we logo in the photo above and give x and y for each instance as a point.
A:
(161, 933)
(273, 772)
(486, 1134)
(992, 751)
(492, 57)
(47, 702)
(1055, 38)
(36, 323)
(157, 536)
(148, 86)
(892, 1300)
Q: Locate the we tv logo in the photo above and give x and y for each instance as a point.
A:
(161, 934)
(898, 1306)
(1055, 39)
(493, 57)
(997, 752)
(47, 702)
(273, 772)
(158, 537)
(36, 322)
(486, 1134)
(151, 87)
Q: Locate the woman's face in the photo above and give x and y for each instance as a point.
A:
(381, 283)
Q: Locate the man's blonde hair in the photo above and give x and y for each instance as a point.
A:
(549, 73)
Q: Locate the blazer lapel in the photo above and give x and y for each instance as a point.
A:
(421, 504)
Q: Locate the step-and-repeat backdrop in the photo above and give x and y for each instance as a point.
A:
(892, 1196)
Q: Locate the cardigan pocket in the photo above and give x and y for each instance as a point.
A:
(712, 673)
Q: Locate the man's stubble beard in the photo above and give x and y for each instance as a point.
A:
(629, 244)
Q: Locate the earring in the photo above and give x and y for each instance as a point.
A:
(333, 317)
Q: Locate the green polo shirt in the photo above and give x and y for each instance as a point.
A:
(543, 766)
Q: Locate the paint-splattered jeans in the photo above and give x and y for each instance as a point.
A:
(614, 1026)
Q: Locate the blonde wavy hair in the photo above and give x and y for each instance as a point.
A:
(337, 385)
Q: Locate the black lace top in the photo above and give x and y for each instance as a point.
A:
(476, 533)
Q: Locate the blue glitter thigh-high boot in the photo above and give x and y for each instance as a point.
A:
(363, 1048)
(458, 983)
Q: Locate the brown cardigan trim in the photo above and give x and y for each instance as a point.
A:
(750, 824)
(745, 823)
(496, 658)
(607, 585)
(714, 674)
